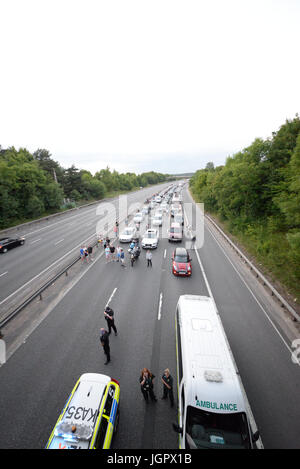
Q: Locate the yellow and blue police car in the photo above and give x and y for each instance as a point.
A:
(90, 416)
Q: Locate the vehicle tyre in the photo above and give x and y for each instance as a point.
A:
(4, 250)
(21, 243)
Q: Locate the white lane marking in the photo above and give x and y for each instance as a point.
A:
(253, 425)
(57, 223)
(60, 241)
(35, 241)
(45, 270)
(51, 306)
(111, 297)
(253, 295)
(159, 306)
(165, 253)
(3, 274)
(49, 267)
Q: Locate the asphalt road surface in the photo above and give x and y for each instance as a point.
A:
(51, 243)
(37, 379)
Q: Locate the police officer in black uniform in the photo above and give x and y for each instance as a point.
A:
(109, 316)
(104, 339)
(167, 381)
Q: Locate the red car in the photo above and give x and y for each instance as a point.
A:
(181, 263)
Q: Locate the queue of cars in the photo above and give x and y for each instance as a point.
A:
(158, 205)
(212, 410)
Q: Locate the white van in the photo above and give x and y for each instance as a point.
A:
(211, 407)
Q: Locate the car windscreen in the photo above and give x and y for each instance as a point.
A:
(150, 235)
(128, 232)
(181, 258)
(175, 230)
(212, 430)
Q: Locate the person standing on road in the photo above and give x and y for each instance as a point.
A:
(82, 254)
(86, 254)
(116, 228)
(122, 258)
(167, 381)
(104, 340)
(118, 253)
(109, 316)
(107, 253)
(146, 382)
(90, 251)
(149, 258)
(112, 253)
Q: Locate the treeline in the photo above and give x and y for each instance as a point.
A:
(34, 184)
(257, 194)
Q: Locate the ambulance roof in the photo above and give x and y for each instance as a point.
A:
(210, 376)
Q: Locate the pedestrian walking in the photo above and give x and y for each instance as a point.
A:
(109, 316)
(146, 382)
(149, 258)
(112, 253)
(167, 381)
(104, 340)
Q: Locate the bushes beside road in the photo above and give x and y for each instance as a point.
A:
(256, 194)
(34, 185)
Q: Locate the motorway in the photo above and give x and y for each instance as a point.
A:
(50, 244)
(38, 377)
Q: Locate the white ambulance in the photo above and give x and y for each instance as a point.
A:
(212, 412)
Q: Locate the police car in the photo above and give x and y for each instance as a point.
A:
(90, 416)
(213, 411)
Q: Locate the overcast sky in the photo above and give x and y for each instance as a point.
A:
(146, 85)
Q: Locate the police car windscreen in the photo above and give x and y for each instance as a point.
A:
(213, 430)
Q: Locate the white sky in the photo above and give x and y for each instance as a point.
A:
(146, 85)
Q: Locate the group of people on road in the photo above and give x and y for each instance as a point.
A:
(113, 254)
(86, 254)
(117, 254)
(146, 377)
(104, 334)
(146, 383)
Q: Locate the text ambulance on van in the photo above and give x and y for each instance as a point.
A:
(212, 410)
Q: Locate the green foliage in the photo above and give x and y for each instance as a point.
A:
(25, 190)
(33, 185)
(257, 194)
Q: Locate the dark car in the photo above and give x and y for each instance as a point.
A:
(181, 263)
(9, 243)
